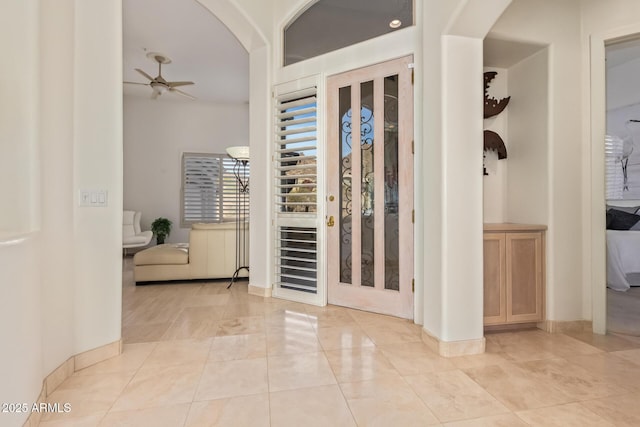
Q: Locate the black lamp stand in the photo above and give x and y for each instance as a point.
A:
(242, 216)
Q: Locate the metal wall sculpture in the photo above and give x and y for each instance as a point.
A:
(493, 107)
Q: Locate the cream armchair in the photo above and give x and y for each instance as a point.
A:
(132, 235)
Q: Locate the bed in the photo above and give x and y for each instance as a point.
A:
(623, 259)
(623, 247)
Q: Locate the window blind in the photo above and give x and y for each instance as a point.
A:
(208, 188)
(613, 148)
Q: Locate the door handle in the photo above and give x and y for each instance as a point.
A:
(331, 222)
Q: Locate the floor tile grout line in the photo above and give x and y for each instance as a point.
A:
(346, 401)
(496, 398)
(421, 399)
(266, 352)
(186, 418)
(122, 391)
(197, 387)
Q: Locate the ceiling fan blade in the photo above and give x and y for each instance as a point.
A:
(144, 74)
(136, 83)
(176, 84)
(171, 89)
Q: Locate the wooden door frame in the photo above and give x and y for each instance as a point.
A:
(403, 304)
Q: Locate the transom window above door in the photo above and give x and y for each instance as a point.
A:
(329, 25)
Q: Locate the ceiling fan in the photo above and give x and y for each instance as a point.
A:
(159, 84)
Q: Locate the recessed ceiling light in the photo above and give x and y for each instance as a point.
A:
(395, 23)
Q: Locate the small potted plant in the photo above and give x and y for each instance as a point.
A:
(161, 228)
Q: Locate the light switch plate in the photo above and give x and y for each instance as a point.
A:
(94, 198)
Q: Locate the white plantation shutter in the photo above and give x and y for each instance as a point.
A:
(613, 147)
(208, 188)
(296, 151)
(297, 242)
(297, 259)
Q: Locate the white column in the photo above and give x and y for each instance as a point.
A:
(462, 252)
(260, 187)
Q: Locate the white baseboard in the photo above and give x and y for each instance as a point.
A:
(561, 326)
(259, 291)
(67, 368)
(453, 348)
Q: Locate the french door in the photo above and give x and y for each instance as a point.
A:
(370, 188)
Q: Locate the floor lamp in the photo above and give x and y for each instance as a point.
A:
(241, 155)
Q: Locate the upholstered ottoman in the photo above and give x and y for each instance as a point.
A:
(162, 262)
(210, 254)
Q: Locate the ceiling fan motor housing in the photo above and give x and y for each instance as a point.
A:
(158, 84)
(159, 58)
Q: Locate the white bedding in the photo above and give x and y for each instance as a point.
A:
(623, 258)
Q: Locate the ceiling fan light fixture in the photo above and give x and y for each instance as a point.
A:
(160, 88)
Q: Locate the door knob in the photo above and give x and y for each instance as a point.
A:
(331, 222)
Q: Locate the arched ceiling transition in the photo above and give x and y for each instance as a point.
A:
(201, 48)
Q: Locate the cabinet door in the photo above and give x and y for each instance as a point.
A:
(524, 277)
(494, 279)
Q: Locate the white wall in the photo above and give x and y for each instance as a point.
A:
(57, 147)
(60, 275)
(434, 18)
(20, 325)
(97, 165)
(527, 189)
(21, 357)
(260, 252)
(156, 133)
(622, 85)
(462, 189)
(516, 189)
(18, 110)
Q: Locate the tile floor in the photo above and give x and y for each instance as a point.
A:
(202, 355)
